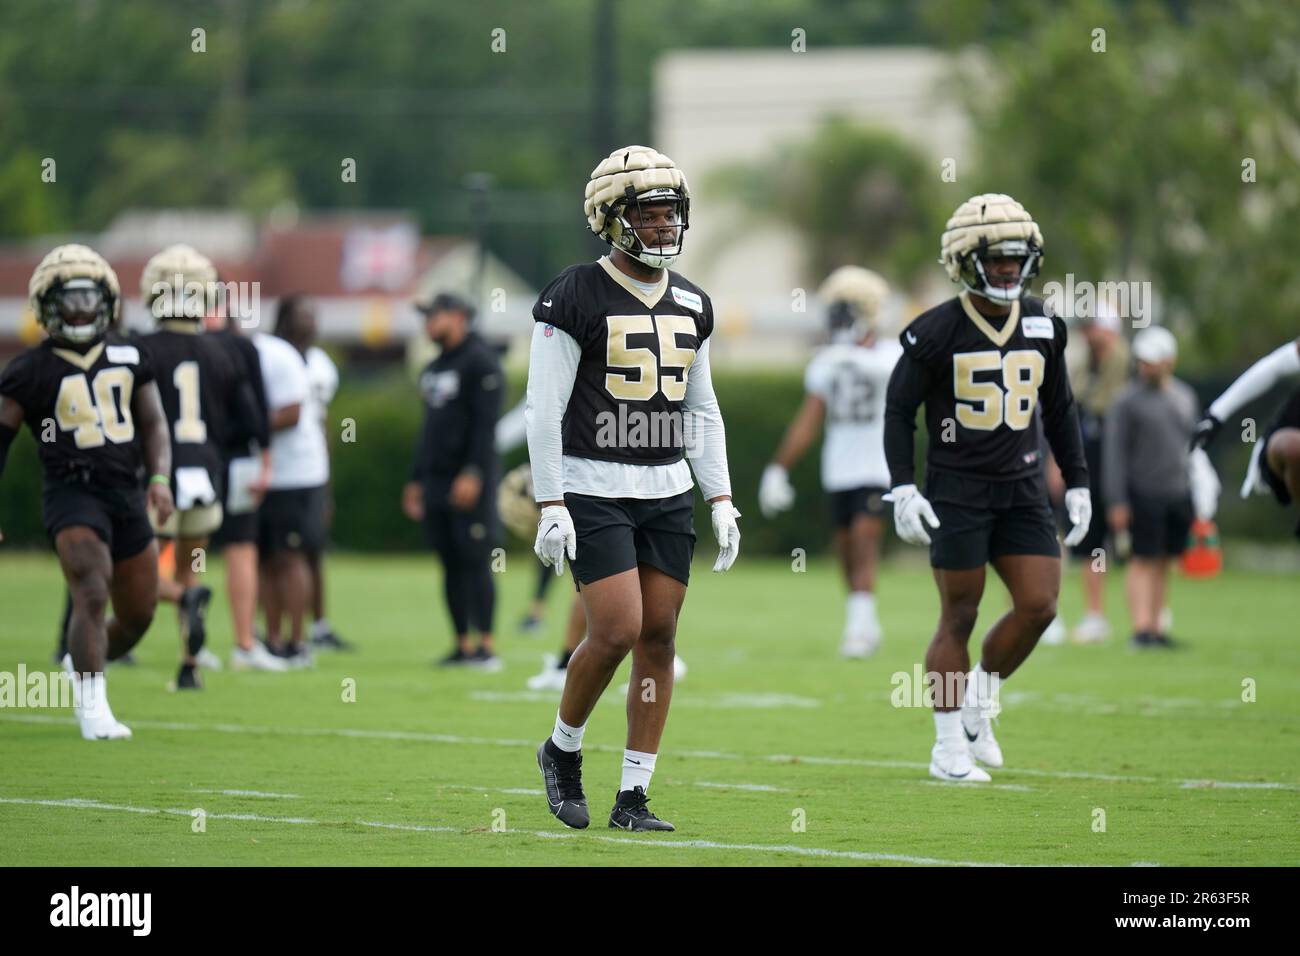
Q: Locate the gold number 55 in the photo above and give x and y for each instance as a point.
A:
(642, 360)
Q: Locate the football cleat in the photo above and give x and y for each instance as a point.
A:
(631, 813)
(1055, 633)
(950, 760)
(983, 745)
(208, 660)
(187, 678)
(859, 644)
(104, 728)
(562, 776)
(485, 660)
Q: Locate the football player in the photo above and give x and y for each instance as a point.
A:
(86, 394)
(982, 364)
(845, 384)
(1275, 460)
(202, 394)
(618, 387)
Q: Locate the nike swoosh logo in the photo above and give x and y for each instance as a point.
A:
(969, 736)
(958, 776)
(552, 528)
(911, 338)
(565, 732)
(630, 760)
(546, 304)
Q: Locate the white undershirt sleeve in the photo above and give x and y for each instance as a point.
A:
(706, 439)
(552, 369)
(1257, 380)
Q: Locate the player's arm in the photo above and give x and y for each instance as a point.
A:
(908, 385)
(151, 425)
(706, 449)
(484, 410)
(1065, 438)
(552, 370)
(1114, 464)
(1250, 385)
(774, 491)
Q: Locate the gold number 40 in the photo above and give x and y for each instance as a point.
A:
(642, 360)
(104, 416)
(983, 406)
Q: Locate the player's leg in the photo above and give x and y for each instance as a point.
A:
(88, 568)
(192, 608)
(858, 546)
(1283, 454)
(134, 593)
(1034, 582)
(537, 605)
(946, 662)
(440, 533)
(649, 695)
(474, 541)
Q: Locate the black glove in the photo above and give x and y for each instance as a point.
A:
(1206, 430)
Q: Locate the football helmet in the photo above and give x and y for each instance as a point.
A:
(636, 176)
(171, 276)
(75, 295)
(854, 297)
(519, 512)
(991, 225)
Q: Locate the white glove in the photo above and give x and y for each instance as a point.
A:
(1078, 505)
(727, 532)
(775, 494)
(1205, 485)
(555, 537)
(910, 510)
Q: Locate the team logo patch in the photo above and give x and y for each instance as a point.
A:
(688, 299)
(1037, 327)
(122, 355)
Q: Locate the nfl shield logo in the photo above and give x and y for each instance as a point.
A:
(548, 331)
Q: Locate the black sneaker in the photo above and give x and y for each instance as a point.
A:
(530, 624)
(1165, 641)
(1142, 639)
(456, 658)
(188, 678)
(562, 775)
(631, 813)
(194, 610)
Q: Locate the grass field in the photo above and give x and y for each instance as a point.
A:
(768, 728)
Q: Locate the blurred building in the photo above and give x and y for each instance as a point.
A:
(715, 107)
(362, 267)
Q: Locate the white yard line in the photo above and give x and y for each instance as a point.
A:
(261, 794)
(425, 737)
(860, 856)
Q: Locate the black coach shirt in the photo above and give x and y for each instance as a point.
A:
(461, 389)
(981, 381)
(78, 407)
(637, 350)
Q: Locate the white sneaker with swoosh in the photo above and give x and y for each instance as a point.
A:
(950, 760)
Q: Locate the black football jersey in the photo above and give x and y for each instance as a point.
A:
(637, 350)
(198, 382)
(982, 381)
(78, 407)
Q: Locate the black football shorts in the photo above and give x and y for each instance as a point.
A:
(848, 504)
(117, 515)
(291, 519)
(617, 534)
(1160, 525)
(980, 520)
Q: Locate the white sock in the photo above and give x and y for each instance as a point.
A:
(568, 739)
(90, 697)
(947, 725)
(859, 611)
(637, 769)
(982, 690)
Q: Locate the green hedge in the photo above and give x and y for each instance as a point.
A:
(369, 472)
